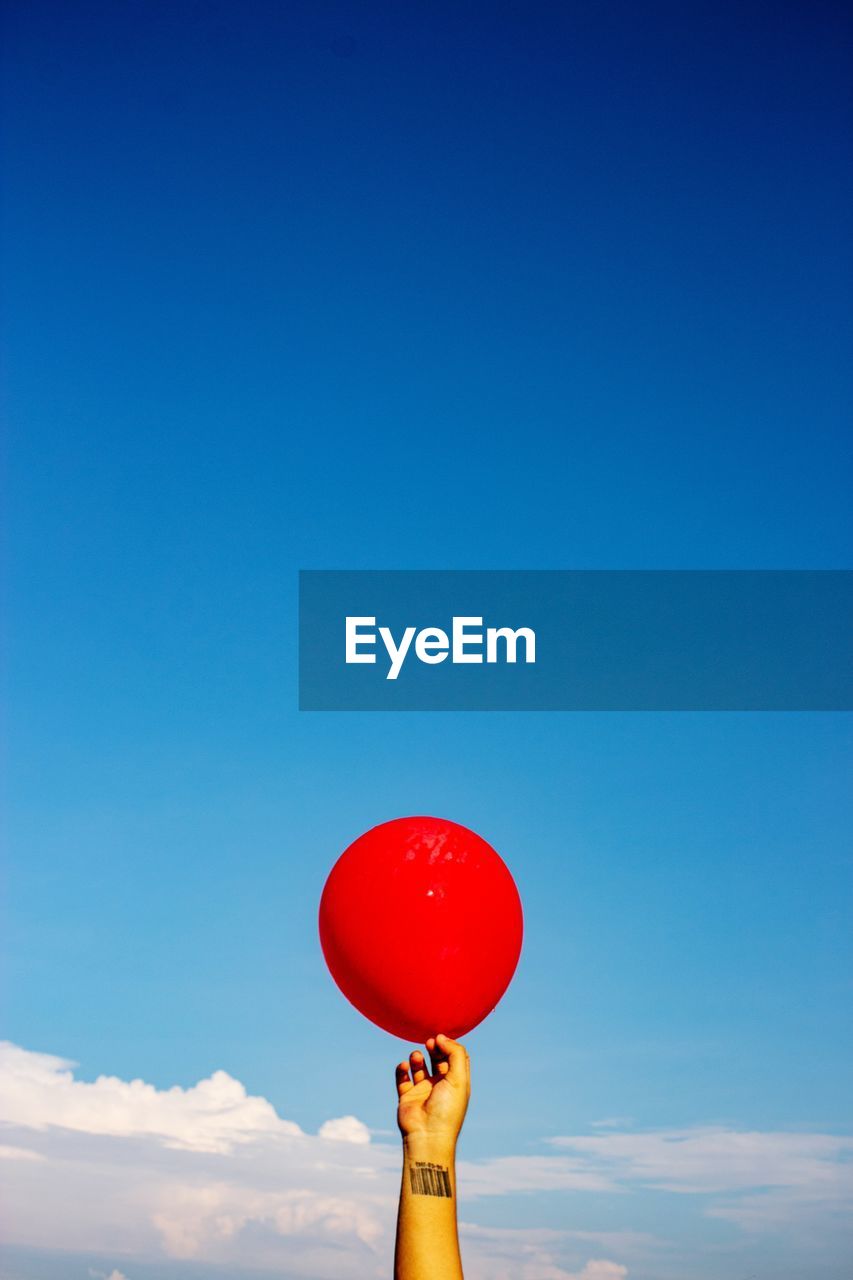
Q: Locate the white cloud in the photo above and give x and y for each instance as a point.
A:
(39, 1089)
(214, 1175)
(197, 1219)
(505, 1174)
(714, 1159)
(345, 1129)
(18, 1153)
(203, 1173)
(506, 1253)
(600, 1269)
(795, 1186)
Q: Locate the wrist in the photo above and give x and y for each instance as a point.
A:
(438, 1147)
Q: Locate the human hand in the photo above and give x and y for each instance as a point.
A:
(432, 1105)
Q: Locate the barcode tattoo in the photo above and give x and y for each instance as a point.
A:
(429, 1179)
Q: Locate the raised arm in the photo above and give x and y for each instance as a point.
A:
(430, 1111)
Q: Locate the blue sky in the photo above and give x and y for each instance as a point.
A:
(324, 287)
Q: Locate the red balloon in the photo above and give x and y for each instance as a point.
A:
(421, 926)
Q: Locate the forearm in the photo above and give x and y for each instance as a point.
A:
(427, 1239)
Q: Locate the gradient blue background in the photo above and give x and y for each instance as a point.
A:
(297, 286)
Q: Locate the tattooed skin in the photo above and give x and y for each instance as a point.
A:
(430, 1179)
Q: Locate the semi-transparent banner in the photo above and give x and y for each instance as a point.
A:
(586, 640)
